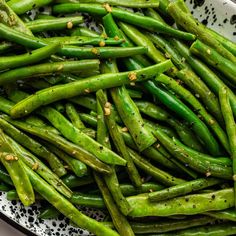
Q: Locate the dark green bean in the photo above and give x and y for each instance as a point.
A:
(197, 106)
(229, 214)
(132, 18)
(4, 187)
(49, 213)
(61, 23)
(183, 111)
(4, 176)
(82, 31)
(73, 181)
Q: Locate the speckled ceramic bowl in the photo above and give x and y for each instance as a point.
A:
(217, 14)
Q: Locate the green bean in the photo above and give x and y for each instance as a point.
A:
(141, 40)
(47, 69)
(41, 16)
(33, 162)
(132, 118)
(82, 31)
(224, 41)
(160, 175)
(68, 147)
(121, 223)
(85, 101)
(187, 205)
(14, 166)
(4, 176)
(9, 18)
(79, 138)
(13, 196)
(183, 111)
(4, 187)
(134, 93)
(78, 167)
(82, 40)
(90, 120)
(111, 181)
(20, 7)
(213, 58)
(95, 83)
(196, 85)
(74, 116)
(211, 230)
(229, 214)
(70, 51)
(183, 189)
(49, 213)
(6, 105)
(210, 78)
(66, 208)
(118, 141)
(28, 58)
(187, 21)
(61, 23)
(34, 147)
(200, 162)
(123, 3)
(230, 128)
(73, 181)
(189, 98)
(156, 112)
(132, 18)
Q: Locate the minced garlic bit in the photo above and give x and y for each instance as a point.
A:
(158, 145)
(11, 158)
(107, 7)
(132, 76)
(211, 122)
(102, 44)
(87, 91)
(60, 67)
(209, 51)
(132, 84)
(69, 25)
(35, 166)
(208, 174)
(150, 190)
(116, 38)
(124, 129)
(107, 109)
(74, 152)
(95, 51)
(234, 177)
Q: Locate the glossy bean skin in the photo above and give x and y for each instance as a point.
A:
(47, 69)
(183, 189)
(61, 23)
(20, 7)
(188, 205)
(142, 21)
(28, 58)
(95, 83)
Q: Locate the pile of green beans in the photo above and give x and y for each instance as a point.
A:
(133, 117)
